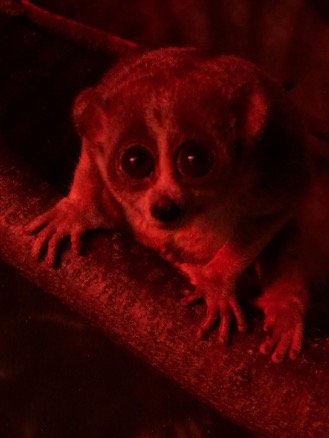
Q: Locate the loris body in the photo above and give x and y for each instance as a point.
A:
(202, 160)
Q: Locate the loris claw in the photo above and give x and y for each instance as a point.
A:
(203, 160)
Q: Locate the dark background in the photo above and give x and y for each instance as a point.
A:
(287, 38)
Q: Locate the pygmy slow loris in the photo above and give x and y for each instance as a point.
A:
(202, 159)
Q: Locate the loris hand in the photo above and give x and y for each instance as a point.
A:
(221, 303)
(284, 324)
(67, 218)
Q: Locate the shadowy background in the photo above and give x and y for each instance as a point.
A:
(287, 38)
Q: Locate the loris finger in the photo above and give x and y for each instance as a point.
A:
(39, 222)
(53, 246)
(239, 317)
(281, 348)
(191, 297)
(225, 322)
(267, 346)
(296, 342)
(41, 242)
(76, 240)
(208, 322)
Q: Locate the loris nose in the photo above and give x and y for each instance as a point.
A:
(166, 210)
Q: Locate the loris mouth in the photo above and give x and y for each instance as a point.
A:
(170, 226)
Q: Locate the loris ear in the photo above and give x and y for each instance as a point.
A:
(89, 116)
(251, 110)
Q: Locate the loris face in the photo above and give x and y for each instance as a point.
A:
(168, 152)
(170, 134)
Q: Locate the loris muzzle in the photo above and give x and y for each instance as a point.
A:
(202, 159)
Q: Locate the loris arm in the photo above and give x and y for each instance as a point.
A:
(87, 206)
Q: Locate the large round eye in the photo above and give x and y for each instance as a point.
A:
(137, 162)
(194, 159)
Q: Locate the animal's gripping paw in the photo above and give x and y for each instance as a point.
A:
(218, 307)
(65, 219)
(284, 325)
